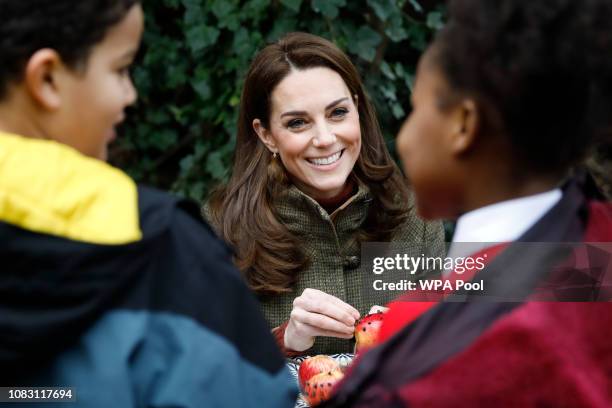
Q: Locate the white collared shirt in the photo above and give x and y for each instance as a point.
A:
(505, 221)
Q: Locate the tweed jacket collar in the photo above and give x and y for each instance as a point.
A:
(303, 215)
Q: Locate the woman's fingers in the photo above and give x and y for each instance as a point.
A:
(317, 331)
(321, 322)
(316, 301)
(354, 313)
(316, 313)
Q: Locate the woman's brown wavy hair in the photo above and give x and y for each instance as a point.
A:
(242, 210)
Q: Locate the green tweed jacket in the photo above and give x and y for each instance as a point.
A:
(335, 259)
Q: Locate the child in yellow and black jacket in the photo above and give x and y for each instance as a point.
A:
(118, 291)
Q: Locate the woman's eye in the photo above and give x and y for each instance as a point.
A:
(296, 123)
(339, 112)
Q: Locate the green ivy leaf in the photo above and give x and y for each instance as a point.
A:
(280, 27)
(416, 6)
(397, 111)
(186, 163)
(176, 75)
(234, 101)
(241, 44)
(386, 70)
(200, 37)
(225, 11)
(418, 37)
(178, 114)
(254, 11)
(365, 43)
(194, 14)
(293, 5)
(329, 8)
(256, 6)
(383, 8)
(410, 81)
(395, 30)
(157, 117)
(389, 91)
(214, 165)
(434, 20)
(164, 139)
(190, 3)
(202, 88)
(222, 8)
(142, 79)
(399, 69)
(196, 192)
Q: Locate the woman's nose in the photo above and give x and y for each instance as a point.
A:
(324, 137)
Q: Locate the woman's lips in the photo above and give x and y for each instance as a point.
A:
(328, 166)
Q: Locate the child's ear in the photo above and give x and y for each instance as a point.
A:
(40, 78)
(264, 135)
(467, 119)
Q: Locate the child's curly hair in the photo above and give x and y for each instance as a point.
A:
(541, 71)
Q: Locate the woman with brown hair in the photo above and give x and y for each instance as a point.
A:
(312, 179)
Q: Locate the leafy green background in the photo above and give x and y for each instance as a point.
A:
(180, 135)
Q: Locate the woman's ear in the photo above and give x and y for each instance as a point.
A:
(264, 135)
(467, 121)
(41, 78)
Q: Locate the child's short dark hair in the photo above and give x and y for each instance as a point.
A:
(544, 68)
(70, 27)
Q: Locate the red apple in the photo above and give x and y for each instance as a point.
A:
(319, 387)
(315, 365)
(366, 331)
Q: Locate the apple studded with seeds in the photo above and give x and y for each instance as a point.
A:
(366, 331)
(319, 387)
(313, 366)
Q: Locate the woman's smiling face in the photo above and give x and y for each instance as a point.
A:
(314, 127)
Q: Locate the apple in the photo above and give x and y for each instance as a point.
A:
(319, 387)
(366, 331)
(315, 365)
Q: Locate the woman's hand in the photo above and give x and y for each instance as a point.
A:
(315, 313)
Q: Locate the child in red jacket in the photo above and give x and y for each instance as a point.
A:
(508, 98)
